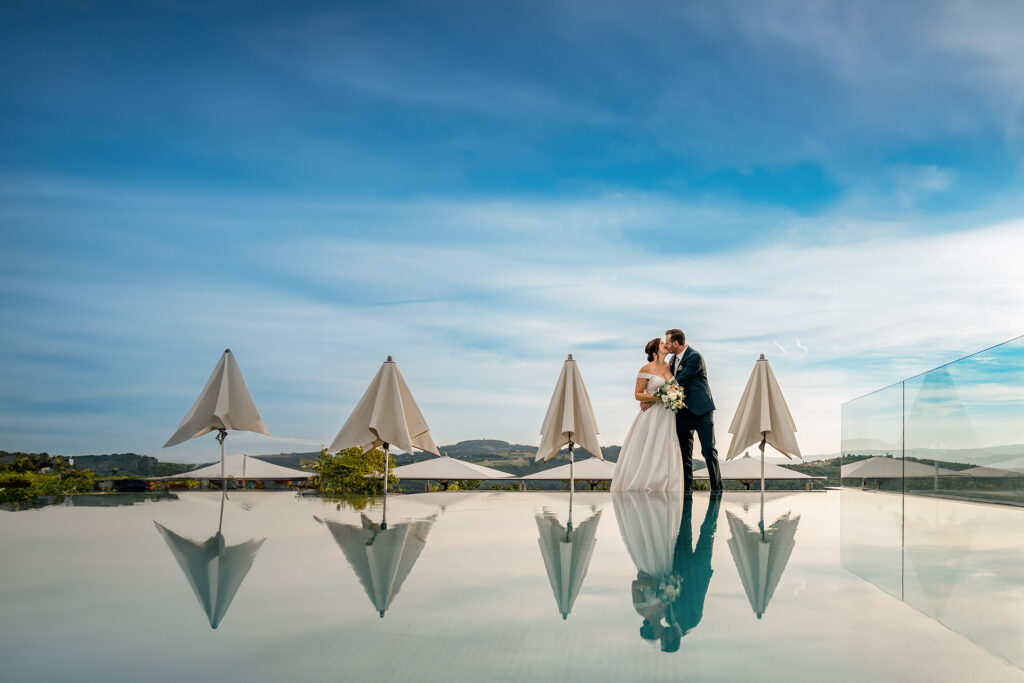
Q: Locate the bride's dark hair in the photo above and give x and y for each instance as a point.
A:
(652, 348)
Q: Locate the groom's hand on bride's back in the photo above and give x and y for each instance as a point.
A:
(644, 405)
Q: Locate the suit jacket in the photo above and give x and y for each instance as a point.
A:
(692, 376)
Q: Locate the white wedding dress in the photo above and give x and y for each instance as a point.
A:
(650, 458)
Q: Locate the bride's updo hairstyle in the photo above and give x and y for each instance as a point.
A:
(652, 348)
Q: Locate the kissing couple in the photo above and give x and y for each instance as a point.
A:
(660, 442)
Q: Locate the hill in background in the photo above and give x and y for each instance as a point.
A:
(122, 464)
(517, 459)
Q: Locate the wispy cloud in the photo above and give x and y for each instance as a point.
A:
(319, 188)
(480, 321)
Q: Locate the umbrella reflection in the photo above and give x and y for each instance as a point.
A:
(381, 555)
(761, 555)
(214, 569)
(567, 552)
(673, 575)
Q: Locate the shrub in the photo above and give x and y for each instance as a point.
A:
(345, 471)
(22, 488)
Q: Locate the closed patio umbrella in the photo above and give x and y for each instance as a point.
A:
(567, 552)
(763, 417)
(386, 415)
(381, 557)
(570, 419)
(761, 556)
(224, 403)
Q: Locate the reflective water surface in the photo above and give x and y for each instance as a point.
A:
(475, 586)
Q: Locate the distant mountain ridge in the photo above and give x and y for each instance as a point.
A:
(516, 459)
(124, 464)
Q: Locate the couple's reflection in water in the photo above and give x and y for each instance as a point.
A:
(674, 568)
(214, 570)
(673, 573)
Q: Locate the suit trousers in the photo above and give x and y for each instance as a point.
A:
(686, 424)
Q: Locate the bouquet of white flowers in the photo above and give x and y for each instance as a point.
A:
(669, 588)
(670, 395)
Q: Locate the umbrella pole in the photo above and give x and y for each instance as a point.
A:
(384, 521)
(572, 488)
(221, 435)
(764, 437)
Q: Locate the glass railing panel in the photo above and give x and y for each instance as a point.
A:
(966, 421)
(964, 444)
(871, 528)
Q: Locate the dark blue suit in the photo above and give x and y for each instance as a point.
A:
(694, 565)
(698, 415)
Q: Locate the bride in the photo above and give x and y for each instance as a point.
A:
(650, 458)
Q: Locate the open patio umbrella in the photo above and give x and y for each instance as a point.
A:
(381, 557)
(447, 470)
(567, 552)
(214, 570)
(386, 415)
(761, 556)
(223, 404)
(747, 469)
(242, 466)
(763, 417)
(591, 470)
(570, 419)
(882, 467)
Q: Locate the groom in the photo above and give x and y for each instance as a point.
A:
(688, 367)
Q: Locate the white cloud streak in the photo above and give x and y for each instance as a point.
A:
(480, 325)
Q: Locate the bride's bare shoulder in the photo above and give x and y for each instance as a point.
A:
(647, 368)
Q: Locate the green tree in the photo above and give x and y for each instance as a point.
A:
(345, 472)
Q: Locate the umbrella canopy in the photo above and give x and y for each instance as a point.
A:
(567, 552)
(213, 569)
(381, 558)
(763, 414)
(242, 466)
(749, 469)
(881, 467)
(991, 472)
(447, 469)
(224, 403)
(591, 469)
(761, 557)
(570, 417)
(386, 414)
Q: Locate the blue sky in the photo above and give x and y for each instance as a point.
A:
(481, 188)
